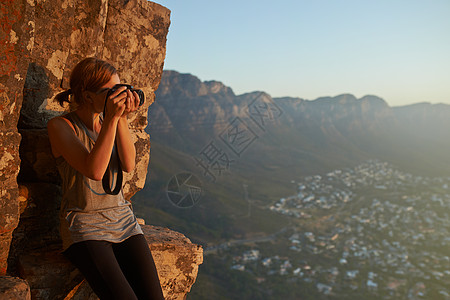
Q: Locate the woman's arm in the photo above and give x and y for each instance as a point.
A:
(125, 145)
(65, 142)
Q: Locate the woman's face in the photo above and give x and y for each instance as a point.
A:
(98, 98)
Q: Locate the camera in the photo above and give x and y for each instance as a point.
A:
(129, 87)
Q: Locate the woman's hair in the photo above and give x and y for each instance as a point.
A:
(90, 74)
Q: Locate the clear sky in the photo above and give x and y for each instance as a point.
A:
(398, 50)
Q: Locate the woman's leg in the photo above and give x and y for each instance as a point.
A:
(98, 264)
(137, 263)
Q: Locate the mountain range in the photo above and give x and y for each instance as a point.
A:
(314, 136)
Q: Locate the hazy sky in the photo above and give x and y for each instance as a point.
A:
(398, 50)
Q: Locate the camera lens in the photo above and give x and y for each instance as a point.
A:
(141, 96)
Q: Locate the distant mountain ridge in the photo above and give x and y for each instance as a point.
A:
(342, 128)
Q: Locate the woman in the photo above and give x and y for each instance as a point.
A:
(100, 233)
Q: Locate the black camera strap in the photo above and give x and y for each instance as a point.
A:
(107, 176)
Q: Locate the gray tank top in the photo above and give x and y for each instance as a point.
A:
(87, 212)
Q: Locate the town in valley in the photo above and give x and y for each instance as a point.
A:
(371, 231)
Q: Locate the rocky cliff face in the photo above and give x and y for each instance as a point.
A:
(187, 102)
(190, 106)
(41, 42)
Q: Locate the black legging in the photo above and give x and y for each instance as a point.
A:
(123, 270)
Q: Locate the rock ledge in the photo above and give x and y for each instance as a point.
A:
(51, 276)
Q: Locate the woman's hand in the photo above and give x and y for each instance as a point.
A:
(131, 103)
(122, 102)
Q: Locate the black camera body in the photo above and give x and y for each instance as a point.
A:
(129, 87)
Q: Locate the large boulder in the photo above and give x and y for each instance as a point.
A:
(13, 288)
(51, 276)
